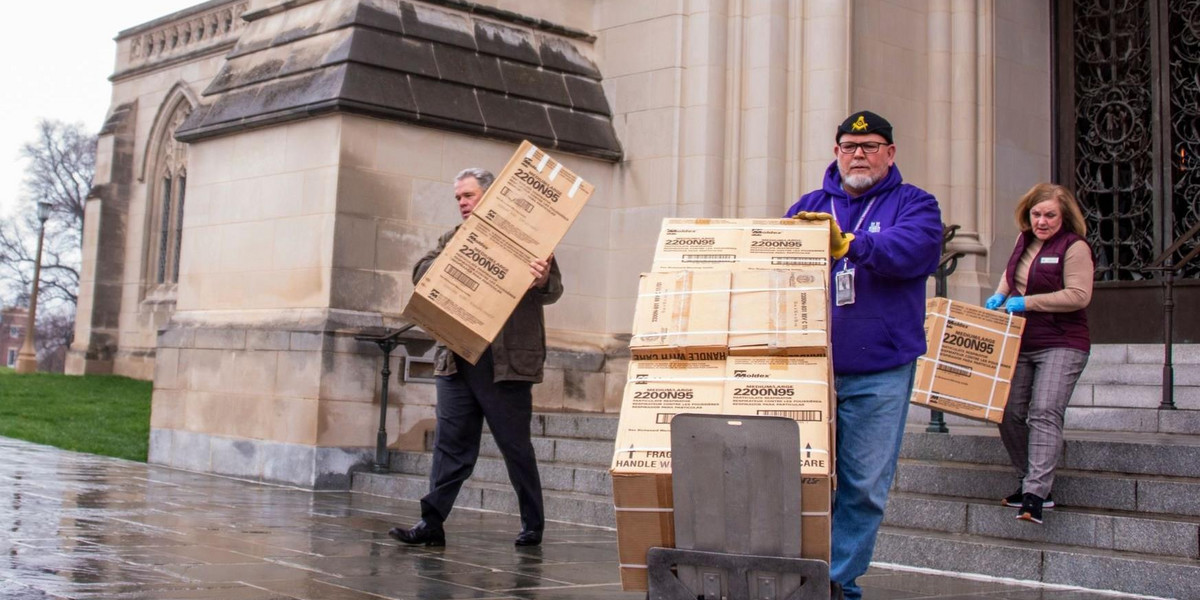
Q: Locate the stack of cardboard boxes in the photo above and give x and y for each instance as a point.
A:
(733, 319)
(472, 288)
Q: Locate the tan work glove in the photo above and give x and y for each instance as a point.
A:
(839, 242)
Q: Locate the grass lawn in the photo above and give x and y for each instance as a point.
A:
(100, 414)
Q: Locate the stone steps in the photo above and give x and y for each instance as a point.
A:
(1098, 569)
(1128, 520)
(1127, 531)
(556, 475)
(562, 506)
(1169, 455)
(1145, 494)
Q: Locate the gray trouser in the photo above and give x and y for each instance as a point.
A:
(1032, 429)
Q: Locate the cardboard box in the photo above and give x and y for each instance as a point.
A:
(816, 517)
(969, 364)
(740, 245)
(659, 390)
(796, 387)
(534, 200)
(779, 313)
(471, 289)
(655, 392)
(644, 507)
(682, 315)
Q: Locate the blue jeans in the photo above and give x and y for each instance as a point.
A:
(872, 408)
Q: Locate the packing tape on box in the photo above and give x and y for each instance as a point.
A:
(778, 336)
(937, 360)
(961, 370)
(707, 379)
(712, 331)
(988, 408)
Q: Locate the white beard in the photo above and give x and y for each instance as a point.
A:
(859, 183)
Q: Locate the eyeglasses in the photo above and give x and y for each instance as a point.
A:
(867, 147)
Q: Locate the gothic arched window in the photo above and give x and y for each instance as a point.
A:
(165, 210)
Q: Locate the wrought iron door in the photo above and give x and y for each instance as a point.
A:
(1128, 140)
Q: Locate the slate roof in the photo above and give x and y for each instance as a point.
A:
(415, 62)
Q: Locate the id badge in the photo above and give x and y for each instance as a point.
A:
(844, 282)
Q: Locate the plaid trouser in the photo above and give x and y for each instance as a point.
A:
(1033, 418)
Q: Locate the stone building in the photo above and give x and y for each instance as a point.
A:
(270, 170)
(13, 322)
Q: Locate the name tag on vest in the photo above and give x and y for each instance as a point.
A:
(1049, 260)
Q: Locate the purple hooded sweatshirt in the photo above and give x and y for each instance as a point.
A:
(895, 249)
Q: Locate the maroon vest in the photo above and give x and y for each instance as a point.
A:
(1046, 329)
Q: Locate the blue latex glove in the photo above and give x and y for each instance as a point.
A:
(1015, 304)
(994, 302)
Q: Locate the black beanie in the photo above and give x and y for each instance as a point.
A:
(864, 122)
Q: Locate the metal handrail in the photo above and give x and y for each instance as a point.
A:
(946, 266)
(387, 339)
(1164, 264)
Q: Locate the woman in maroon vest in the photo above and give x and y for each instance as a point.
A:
(1049, 282)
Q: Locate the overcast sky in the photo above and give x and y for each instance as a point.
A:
(57, 56)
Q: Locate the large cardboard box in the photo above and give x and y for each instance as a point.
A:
(534, 200)
(740, 245)
(471, 289)
(796, 387)
(704, 315)
(682, 315)
(968, 367)
(779, 312)
(655, 392)
(645, 513)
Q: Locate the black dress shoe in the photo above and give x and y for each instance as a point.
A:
(528, 537)
(421, 533)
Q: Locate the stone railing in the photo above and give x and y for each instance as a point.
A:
(189, 32)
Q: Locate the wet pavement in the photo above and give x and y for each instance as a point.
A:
(82, 526)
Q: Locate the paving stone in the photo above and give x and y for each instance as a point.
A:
(1154, 354)
(579, 425)
(584, 452)
(1090, 418)
(262, 339)
(1109, 354)
(1148, 536)
(959, 555)
(222, 339)
(1179, 459)
(1169, 497)
(1058, 526)
(978, 445)
(920, 512)
(1167, 580)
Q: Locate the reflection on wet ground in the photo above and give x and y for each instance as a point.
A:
(81, 526)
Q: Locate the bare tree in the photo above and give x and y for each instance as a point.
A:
(61, 163)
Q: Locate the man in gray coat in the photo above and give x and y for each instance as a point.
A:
(498, 389)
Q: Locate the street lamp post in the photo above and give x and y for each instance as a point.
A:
(27, 357)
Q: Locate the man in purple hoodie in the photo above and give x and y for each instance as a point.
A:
(877, 283)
